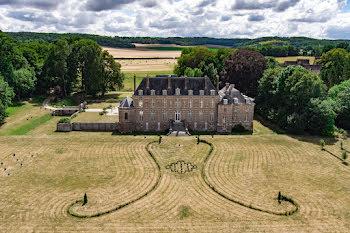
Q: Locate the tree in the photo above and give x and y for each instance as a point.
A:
(340, 94)
(244, 68)
(24, 82)
(189, 72)
(6, 95)
(332, 72)
(344, 155)
(85, 201)
(294, 99)
(271, 63)
(112, 77)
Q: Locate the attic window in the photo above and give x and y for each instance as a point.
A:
(225, 101)
(164, 92)
(177, 91)
(201, 92)
(153, 92)
(235, 100)
(140, 92)
(212, 92)
(190, 92)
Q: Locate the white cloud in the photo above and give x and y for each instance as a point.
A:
(213, 18)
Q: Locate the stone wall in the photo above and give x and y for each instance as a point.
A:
(87, 126)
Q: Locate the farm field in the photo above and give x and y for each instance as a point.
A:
(137, 65)
(142, 53)
(137, 185)
(283, 59)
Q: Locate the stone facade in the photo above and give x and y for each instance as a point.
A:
(160, 101)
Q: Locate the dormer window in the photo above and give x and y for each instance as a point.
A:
(212, 92)
(140, 92)
(153, 92)
(164, 92)
(201, 92)
(225, 101)
(235, 100)
(190, 92)
(177, 91)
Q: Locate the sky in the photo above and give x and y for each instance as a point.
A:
(185, 18)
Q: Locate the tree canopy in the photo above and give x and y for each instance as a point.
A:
(244, 68)
(340, 94)
(6, 95)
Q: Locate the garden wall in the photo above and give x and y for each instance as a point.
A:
(87, 126)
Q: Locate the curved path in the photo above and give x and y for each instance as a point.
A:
(204, 177)
(80, 202)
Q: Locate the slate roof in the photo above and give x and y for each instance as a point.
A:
(160, 83)
(127, 103)
(231, 94)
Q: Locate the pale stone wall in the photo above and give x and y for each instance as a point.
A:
(235, 114)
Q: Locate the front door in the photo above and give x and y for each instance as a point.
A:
(177, 116)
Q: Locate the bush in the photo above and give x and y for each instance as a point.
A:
(64, 120)
(238, 129)
(322, 144)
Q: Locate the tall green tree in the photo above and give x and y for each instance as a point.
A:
(340, 94)
(333, 62)
(6, 95)
(24, 82)
(112, 77)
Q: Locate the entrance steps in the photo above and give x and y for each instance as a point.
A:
(178, 129)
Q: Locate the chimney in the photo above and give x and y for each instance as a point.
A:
(185, 82)
(169, 82)
(134, 82)
(217, 82)
(147, 81)
(205, 82)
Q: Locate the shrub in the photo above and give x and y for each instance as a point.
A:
(239, 129)
(85, 199)
(322, 144)
(344, 155)
(64, 120)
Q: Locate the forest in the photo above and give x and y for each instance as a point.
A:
(65, 65)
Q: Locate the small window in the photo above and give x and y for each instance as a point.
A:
(165, 117)
(152, 103)
(164, 92)
(201, 104)
(177, 91)
(126, 116)
(141, 115)
(212, 92)
(140, 92)
(201, 92)
(153, 92)
(164, 103)
(246, 118)
(195, 125)
(212, 103)
(225, 101)
(212, 117)
(153, 118)
(235, 100)
(224, 120)
(247, 109)
(189, 116)
(200, 116)
(235, 118)
(140, 103)
(190, 92)
(190, 104)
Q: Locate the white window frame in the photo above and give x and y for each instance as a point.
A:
(211, 116)
(141, 115)
(141, 103)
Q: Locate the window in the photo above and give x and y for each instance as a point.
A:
(141, 115)
(225, 110)
(165, 92)
(190, 92)
(212, 103)
(178, 103)
(140, 92)
(235, 100)
(189, 116)
(147, 126)
(201, 92)
(177, 91)
(126, 116)
(190, 104)
(158, 128)
(225, 101)
(247, 108)
(201, 104)
(164, 103)
(246, 118)
(212, 92)
(165, 117)
(153, 116)
(152, 103)
(224, 120)
(200, 116)
(212, 117)
(235, 118)
(140, 103)
(153, 92)
(195, 125)
(205, 125)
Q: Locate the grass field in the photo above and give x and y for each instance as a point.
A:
(129, 77)
(283, 59)
(129, 179)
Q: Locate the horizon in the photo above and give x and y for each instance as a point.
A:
(246, 19)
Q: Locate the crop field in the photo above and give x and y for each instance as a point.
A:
(283, 59)
(135, 184)
(137, 65)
